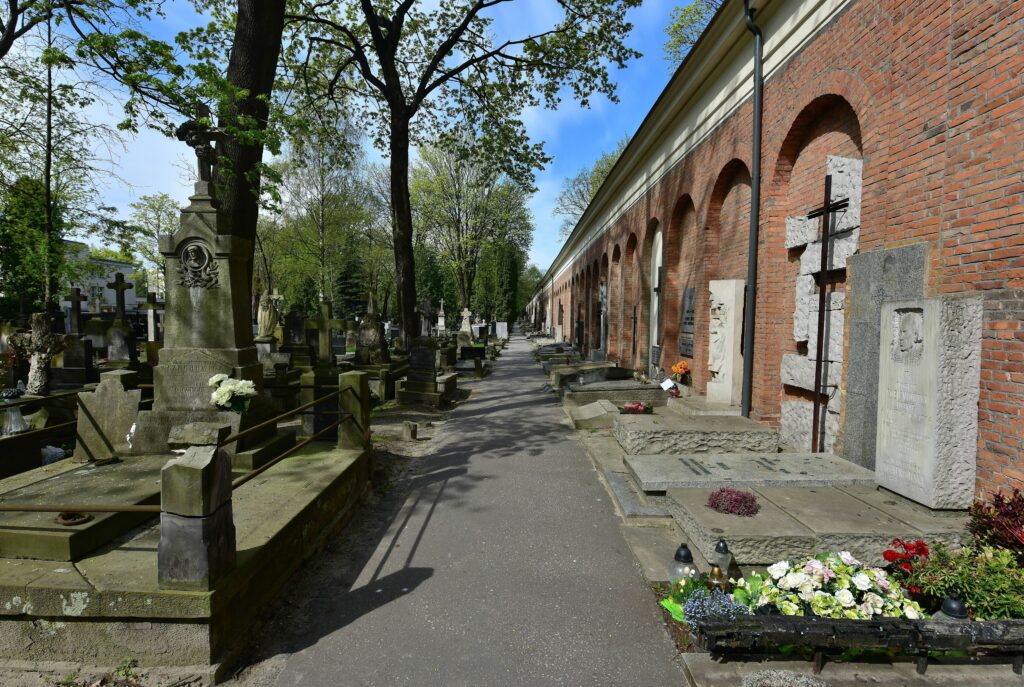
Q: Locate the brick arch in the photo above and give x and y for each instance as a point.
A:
(615, 303)
(826, 125)
(628, 299)
(688, 270)
(727, 222)
(644, 290)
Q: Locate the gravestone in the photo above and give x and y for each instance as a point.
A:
(501, 330)
(466, 325)
(725, 363)
(421, 381)
(686, 330)
(76, 298)
(876, 277)
(929, 367)
(120, 336)
(371, 344)
(208, 326)
(106, 416)
(440, 318)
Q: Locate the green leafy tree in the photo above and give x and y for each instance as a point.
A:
(463, 206)
(577, 191)
(685, 25)
(528, 281)
(422, 72)
(152, 216)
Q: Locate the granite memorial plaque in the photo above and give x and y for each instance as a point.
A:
(688, 321)
(929, 378)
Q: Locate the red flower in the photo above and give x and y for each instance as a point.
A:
(905, 567)
(914, 589)
(892, 556)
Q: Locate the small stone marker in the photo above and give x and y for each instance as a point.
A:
(929, 381)
(410, 431)
(106, 416)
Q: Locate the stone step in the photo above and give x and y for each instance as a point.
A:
(597, 415)
(630, 503)
(795, 522)
(699, 405)
(661, 434)
(264, 452)
(658, 473)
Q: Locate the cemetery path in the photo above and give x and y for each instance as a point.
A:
(504, 566)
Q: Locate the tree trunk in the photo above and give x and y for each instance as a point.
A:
(251, 67)
(401, 228)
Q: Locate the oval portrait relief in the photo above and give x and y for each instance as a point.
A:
(197, 268)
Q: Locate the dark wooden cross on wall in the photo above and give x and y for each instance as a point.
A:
(827, 213)
(119, 285)
(76, 299)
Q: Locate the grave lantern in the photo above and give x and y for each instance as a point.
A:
(683, 567)
(723, 557)
(953, 610)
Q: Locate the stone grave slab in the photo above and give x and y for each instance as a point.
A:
(947, 526)
(596, 415)
(929, 380)
(658, 473)
(652, 434)
(771, 535)
(560, 375)
(617, 391)
(649, 545)
(839, 521)
(133, 481)
(699, 405)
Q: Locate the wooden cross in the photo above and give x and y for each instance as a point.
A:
(119, 285)
(826, 212)
(76, 299)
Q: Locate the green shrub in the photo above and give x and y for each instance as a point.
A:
(988, 580)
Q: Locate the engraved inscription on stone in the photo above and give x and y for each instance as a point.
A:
(686, 331)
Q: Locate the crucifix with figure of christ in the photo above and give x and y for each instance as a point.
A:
(827, 213)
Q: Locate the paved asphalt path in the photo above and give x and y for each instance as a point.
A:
(505, 565)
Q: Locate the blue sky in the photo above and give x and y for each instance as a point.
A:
(574, 137)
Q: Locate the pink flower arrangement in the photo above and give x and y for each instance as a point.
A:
(734, 501)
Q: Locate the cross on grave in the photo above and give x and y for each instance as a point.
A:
(827, 213)
(76, 299)
(119, 285)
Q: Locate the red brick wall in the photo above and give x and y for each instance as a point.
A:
(931, 97)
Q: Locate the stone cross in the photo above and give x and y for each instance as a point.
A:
(76, 299)
(442, 306)
(119, 285)
(466, 315)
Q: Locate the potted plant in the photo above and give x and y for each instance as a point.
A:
(231, 394)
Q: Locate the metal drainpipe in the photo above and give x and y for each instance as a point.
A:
(750, 290)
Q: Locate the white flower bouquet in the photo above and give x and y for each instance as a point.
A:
(231, 394)
(830, 585)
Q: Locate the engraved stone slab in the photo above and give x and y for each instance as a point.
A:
(638, 434)
(929, 377)
(725, 326)
(744, 470)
